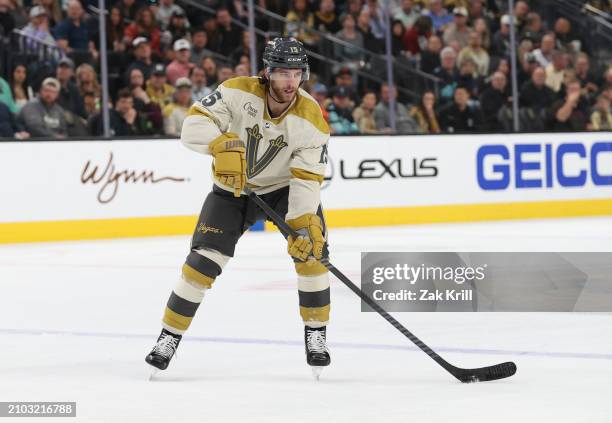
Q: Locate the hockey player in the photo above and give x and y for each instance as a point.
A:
(268, 134)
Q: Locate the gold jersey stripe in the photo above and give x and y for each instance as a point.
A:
(192, 275)
(317, 314)
(196, 111)
(309, 110)
(310, 268)
(306, 175)
(248, 84)
(175, 320)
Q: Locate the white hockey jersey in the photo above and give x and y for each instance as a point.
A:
(288, 150)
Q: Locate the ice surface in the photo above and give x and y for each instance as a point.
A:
(79, 317)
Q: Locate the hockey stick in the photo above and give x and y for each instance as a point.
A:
(482, 374)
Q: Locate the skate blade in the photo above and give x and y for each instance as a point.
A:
(154, 372)
(316, 372)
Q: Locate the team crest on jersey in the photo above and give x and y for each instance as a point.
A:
(254, 165)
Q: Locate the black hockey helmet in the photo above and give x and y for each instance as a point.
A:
(286, 52)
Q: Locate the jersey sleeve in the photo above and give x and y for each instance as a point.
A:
(206, 120)
(307, 170)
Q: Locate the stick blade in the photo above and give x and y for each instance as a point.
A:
(485, 374)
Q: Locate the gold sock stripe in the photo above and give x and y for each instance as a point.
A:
(192, 275)
(318, 314)
(175, 320)
(310, 268)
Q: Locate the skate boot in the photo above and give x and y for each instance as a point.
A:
(162, 352)
(317, 355)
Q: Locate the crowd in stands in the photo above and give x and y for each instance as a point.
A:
(451, 64)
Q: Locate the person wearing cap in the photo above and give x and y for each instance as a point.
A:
(143, 59)
(69, 97)
(38, 28)
(176, 112)
(500, 43)
(165, 11)
(458, 29)
(158, 90)
(42, 116)
(180, 66)
(340, 112)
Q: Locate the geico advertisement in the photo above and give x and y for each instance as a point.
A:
(101, 179)
(563, 166)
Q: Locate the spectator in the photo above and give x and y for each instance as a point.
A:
(535, 93)
(229, 36)
(440, 18)
(364, 114)
(69, 96)
(144, 26)
(404, 124)
(158, 90)
(38, 29)
(448, 73)
(129, 9)
(73, 33)
(475, 52)
(417, 36)
(350, 35)
(7, 21)
(425, 114)
(124, 119)
(299, 21)
(492, 100)
(54, 11)
(165, 11)
(355, 7)
(325, 19)
(92, 104)
(210, 67)
(115, 27)
(176, 112)
(397, 37)
(481, 27)
(469, 78)
(9, 126)
(570, 113)
(543, 55)
(500, 44)
(142, 57)
(601, 118)
(430, 58)
(180, 66)
(199, 89)
(555, 72)
(319, 93)
(142, 102)
(458, 29)
(370, 42)
(459, 117)
(224, 73)
(6, 96)
(566, 40)
(42, 116)
(87, 80)
(341, 120)
(533, 30)
(408, 13)
(199, 49)
(22, 92)
(241, 70)
(178, 28)
(584, 75)
(521, 10)
(378, 23)
(243, 49)
(344, 78)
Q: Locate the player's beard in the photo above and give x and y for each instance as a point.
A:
(282, 94)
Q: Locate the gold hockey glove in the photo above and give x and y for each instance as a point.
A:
(229, 166)
(310, 241)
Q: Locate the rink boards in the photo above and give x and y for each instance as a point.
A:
(105, 189)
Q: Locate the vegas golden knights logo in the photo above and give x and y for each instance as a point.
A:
(256, 166)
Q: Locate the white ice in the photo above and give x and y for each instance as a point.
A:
(77, 319)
